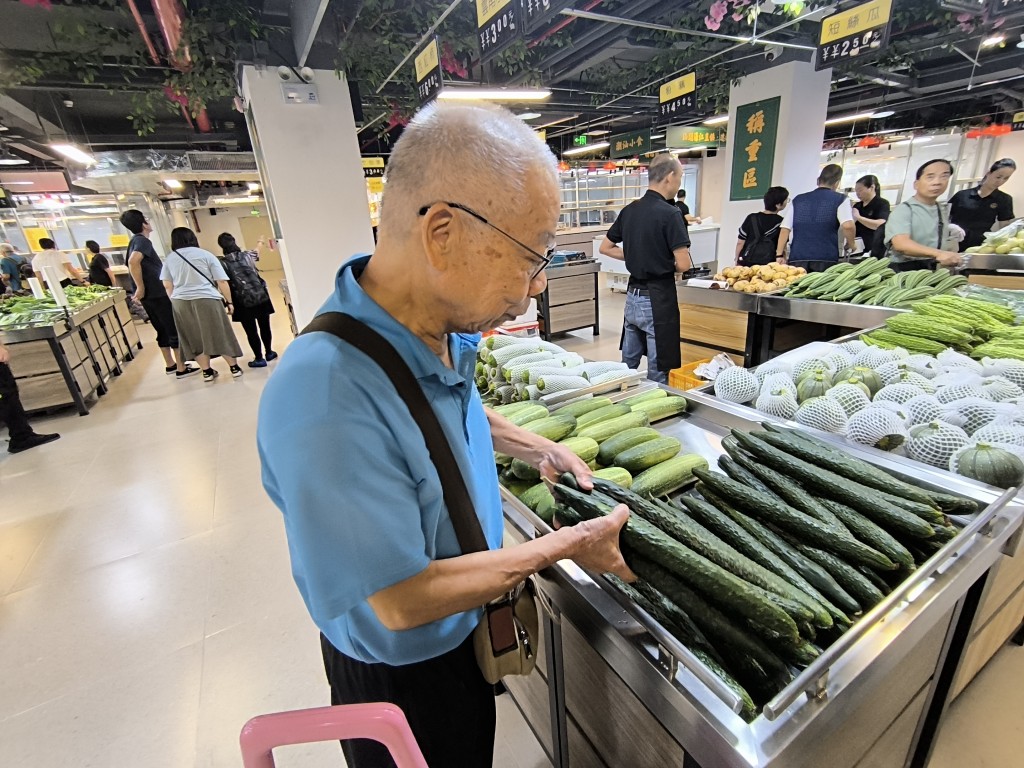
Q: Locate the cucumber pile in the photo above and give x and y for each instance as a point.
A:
(872, 282)
(776, 557)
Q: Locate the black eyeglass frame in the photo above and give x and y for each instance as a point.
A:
(544, 259)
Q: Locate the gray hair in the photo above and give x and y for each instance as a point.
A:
(831, 174)
(6, 249)
(661, 167)
(462, 153)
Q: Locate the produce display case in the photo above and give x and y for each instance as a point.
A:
(67, 357)
(615, 689)
(996, 270)
(569, 302)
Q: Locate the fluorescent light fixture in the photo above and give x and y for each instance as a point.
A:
(173, 184)
(1019, 45)
(988, 42)
(717, 120)
(528, 115)
(9, 158)
(73, 153)
(253, 186)
(22, 183)
(599, 132)
(850, 118)
(109, 209)
(883, 113)
(226, 200)
(494, 94)
(923, 139)
(657, 136)
(587, 149)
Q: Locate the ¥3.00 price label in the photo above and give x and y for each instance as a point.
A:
(497, 25)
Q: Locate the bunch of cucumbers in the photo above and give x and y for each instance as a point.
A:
(873, 282)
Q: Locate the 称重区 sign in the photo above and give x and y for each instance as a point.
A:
(428, 72)
(677, 136)
(753, 142)
(630, 144)
(853, 33)
(677, 97)
(497, 25)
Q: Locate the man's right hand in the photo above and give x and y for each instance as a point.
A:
(598, 547)
(948, 258)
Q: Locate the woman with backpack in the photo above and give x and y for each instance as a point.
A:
(252, 306)
(759, 233)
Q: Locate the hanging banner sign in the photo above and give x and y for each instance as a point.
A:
(862, 29)
(539, 14)
(1004, 7)
(677, 137)
(678, 96)
(497, 23)
(753, 156)
(630, 144)
(428, 71)
(1018, 122)
(373, 167)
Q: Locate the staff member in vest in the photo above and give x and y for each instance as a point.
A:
(918, 228)
(976, 210)
(655, 245)
(815, 219)
(871, 209)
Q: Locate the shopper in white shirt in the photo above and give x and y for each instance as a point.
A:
(60, 261)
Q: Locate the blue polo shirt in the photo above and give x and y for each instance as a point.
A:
(347, 466)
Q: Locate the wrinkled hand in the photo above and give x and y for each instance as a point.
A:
(599, 544)
(948, 258)
(5, 356)
(558, 459)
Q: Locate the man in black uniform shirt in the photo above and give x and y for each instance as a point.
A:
(654, 245)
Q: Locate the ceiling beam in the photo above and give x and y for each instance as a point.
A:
(17, 115)
(306, 16)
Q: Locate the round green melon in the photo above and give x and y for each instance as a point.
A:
(990, 464)
(813, 386)
(869, 376)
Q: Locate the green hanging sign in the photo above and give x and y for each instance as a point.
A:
(630, 144)
(753, 156)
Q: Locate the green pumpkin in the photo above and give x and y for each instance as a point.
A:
(816, 371)
(870, 378)
(858, 382)
(813, 386)
(991, 464)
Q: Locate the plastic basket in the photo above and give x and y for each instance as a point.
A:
(684, 378)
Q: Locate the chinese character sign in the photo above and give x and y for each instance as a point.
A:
(428, 72)
(497, 25)
(678, 97)
(538, 15)
(753, 157)
(373, 167)
(861, 30)
(630, 144)
(679, 137)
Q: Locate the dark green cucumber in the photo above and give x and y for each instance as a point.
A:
(743, 541)
(810, 570)
(731, 467)
(806, 527)
(880, 584)
(852, 580)
(871, 533)
(792, 494)
(711, 579)
(866, 500)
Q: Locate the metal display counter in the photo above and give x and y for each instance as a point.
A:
(995, 270)
(569, 301)
(612, 689)
(70, 359)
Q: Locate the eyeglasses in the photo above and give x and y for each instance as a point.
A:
(543, 258)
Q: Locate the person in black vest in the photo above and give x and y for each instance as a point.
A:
(871, 209)
(242, 273)
(976, 210)
(655, 245)
(758, 241)
(815, 220)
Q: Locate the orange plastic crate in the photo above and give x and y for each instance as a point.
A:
(684, 378)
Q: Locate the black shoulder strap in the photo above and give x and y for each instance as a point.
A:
(208, 278)
(377, 348)
(754, 226)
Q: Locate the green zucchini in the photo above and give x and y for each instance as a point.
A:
(583, 447)
(616, 475)
(614, 445)
(714, 581)
(668, 476)
(868, 501)
(871, 533)
(647, 454)
(581, 407)
(652, 394)
(604, 429)
(553, 427)
(781, 515)
(604, 413)
(531, 412)
(661, 408)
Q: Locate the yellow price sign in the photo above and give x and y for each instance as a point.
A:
(375, 186)
(679, 87)
(34, 235)
(120, 241)
(488, 9)
(840, 26)
(427, 61)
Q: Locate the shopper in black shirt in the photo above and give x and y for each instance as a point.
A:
(871, 209)
(99, 267)
(758, 241)
(684, 208)
(655, 245)
(976, 210)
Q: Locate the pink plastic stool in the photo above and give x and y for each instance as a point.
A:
(384, 722)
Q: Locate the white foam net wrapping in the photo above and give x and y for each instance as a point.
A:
(971, 414)
(737, 385)
(838, 359)
(954, 460)
(532, 392)
(899, 392)
(778, 380)
(854, 347)
(777, 401)
(775, 366)
(822, 413)
(934, 443)
(961, 392)
(1001, 432)
(951, 358)
(1001, 388)
(917, 380)
(1007, 368)
(811, 364)
(923, 409)
(875, 357)
(850, 397)
(926, 365)
(898, 408)
(890, 372)
(954, 376)
(876, 426)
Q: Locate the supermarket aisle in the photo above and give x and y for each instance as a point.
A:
(146, 605)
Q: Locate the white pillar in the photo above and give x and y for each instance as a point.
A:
(308, 156)
(802, 113)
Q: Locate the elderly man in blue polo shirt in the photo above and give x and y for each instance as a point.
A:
(373, 549)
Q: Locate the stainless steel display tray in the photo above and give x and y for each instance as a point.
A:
(825, 312)
(1012, 262)
(718, 298)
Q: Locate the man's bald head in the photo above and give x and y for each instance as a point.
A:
(466, 154)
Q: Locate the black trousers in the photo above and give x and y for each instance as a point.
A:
(449, 705)
(257, 331)
(912, 265)
(12, 413)
(161, 316)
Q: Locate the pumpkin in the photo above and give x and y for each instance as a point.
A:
(870, 378)
(989, 464)
(858, 382)
(813, 386)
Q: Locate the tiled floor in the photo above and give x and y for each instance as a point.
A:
(147, 608)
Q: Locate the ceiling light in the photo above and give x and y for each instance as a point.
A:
(173, 184)
(529, 115)
(850, 118)
(13, 183)
(600, 132)
(253, 186)
(227, 200)
(988, 42)
(717, 120)
(71, 152)
(689, 149)
(109, 209)
(584, 150)
(657, 136)
(495, 94)
(883, 113)
(923, 139)
(9, 158)
(3, 127)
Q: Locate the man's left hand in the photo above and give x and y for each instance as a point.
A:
(557, 459)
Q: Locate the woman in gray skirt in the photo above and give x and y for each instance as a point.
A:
(198, 287)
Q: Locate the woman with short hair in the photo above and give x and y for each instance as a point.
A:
(198, 287)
